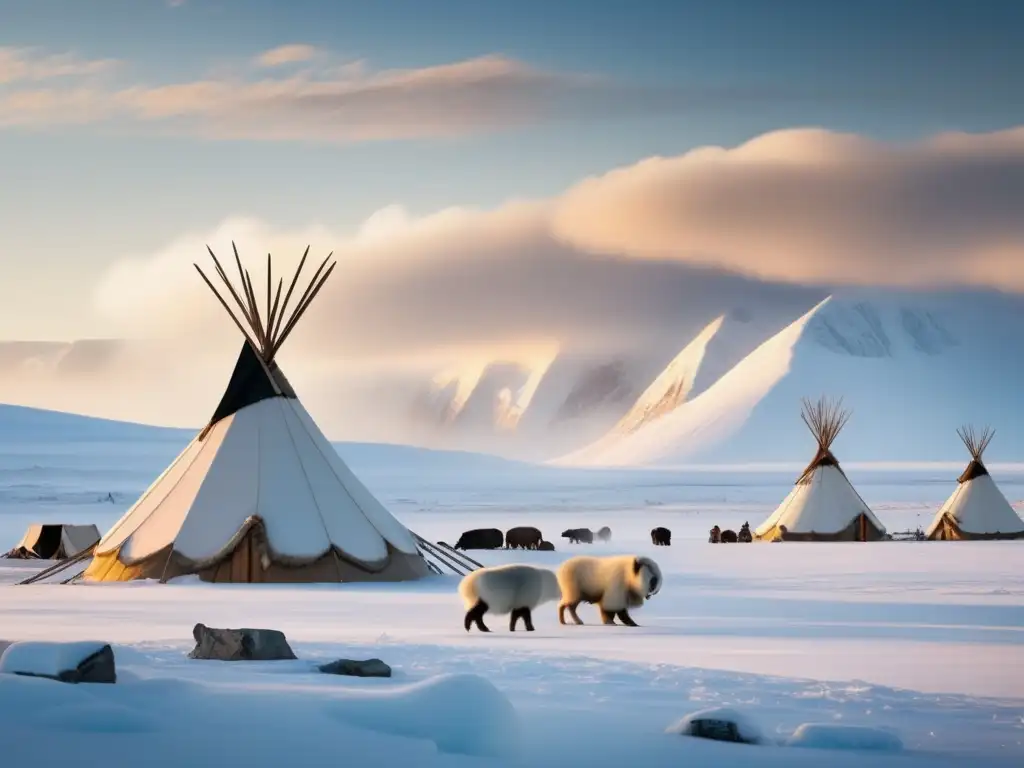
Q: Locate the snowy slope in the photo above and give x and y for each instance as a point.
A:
(715, 350)
(912, 367)
(26, 433)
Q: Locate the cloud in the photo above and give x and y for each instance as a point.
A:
(459, 282)
(325, 99)
(328, 100)
(20, 65)
(644, 252)
(812, 206)
(286, 54)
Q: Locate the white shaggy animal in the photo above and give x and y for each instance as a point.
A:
(514, 589)
(614, 584)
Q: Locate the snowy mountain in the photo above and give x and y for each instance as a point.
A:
(912, 367)
(717, 348)
(520, 409)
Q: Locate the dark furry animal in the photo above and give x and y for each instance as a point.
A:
(729, 536)
(716, 535)
(523, 537)
(605, 534)
(661, 537)
(579, 535)
(745, 536)
(546, 546)
(480, 538)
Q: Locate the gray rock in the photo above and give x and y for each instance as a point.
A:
(98, 667)
(240, 644)
(716, 730)
(719, 724)
(353, 668)
(67, 663)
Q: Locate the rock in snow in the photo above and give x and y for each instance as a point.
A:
(88, 662)
(353, 668)
(240, 644)
(719, 724)
(847, 737)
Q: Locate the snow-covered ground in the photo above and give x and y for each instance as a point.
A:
(922, 640)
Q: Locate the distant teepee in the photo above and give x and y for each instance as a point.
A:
(823, 505)
(259, 495)
(977, 508)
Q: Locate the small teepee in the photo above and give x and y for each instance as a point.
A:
(59, 541)
(977, 508)
(259, 495)
(823, 505)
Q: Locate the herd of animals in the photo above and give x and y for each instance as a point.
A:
(718, 536)
(614, 584)
(528, 537)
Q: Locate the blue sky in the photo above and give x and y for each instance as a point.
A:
(76, 196)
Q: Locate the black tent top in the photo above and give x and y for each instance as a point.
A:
(251, 381)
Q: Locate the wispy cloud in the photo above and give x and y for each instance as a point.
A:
(326, 100)
(286, 54)
(29, 65)
(298, 92)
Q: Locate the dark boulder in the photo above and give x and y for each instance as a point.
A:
(354, 668)
(63, 662)
(240, 644)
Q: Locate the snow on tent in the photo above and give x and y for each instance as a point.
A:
(259, 495)
(54, 541)
(977, 508)
(823, 505)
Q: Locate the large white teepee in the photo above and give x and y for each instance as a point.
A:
(259, 495)
(823, 505)
(977, 508)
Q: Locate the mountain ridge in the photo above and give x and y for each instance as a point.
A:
(918, 361)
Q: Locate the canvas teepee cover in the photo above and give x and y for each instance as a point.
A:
(55, 541)
(823, 505)
(977, 508)
(259, 495)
